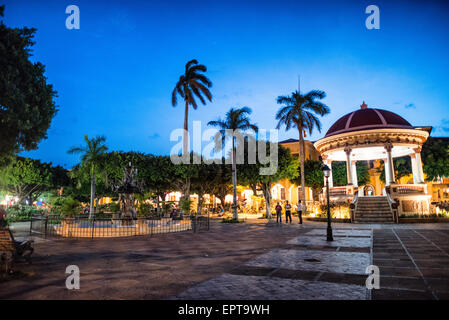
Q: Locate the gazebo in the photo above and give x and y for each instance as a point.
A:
(377, 134)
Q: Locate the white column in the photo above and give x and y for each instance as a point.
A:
(389, 147)
(387, 172)
(419, 165)
(415, 171)
(354, 173)
(348, 165)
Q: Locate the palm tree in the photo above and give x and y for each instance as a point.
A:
(193, 83)
(299, 111)
(91, 156)
(236, 120)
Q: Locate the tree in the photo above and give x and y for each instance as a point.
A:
(203, 181)
(250, 173)
(235, 122)
(193, 83)
(435, 158)
(222, 181)
(402, 168)
(26, 178)
(26, 99)
(314, 177)
(339, 175)
(299, 111)
(91, 152)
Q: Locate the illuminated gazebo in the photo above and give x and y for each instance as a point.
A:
(376, 134)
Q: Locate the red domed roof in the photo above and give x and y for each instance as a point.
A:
(368, 119)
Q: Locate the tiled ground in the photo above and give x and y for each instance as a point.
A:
(252, 260)
(231, 287)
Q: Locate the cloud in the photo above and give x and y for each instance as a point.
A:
(410, 106)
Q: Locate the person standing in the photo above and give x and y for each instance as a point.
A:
(278, 213)
(288, 212)
(300, 208)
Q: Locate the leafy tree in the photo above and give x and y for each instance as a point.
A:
(435, 158)
(250, 174)
(203, 182)
(300, 111)
(314, 177)
(26, 178)
(236, 121)
(339, 175)
(193, 83)
(402, 168)
(222, 181)
(26, 99)
(92, 153)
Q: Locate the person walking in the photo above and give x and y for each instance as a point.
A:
(278, 213)
(300, 208)
(288, 212)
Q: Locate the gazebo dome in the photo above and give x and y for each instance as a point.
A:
(368, 119)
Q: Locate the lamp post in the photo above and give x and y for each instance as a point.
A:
(326, 172)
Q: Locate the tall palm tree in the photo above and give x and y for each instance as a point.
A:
(91, 155)
(193, 83)
(238, 121)
(300, 111)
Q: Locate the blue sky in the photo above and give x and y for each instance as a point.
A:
(115, 75)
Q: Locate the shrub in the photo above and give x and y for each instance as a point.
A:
(70, 207)
(21, 212)
(231, 220)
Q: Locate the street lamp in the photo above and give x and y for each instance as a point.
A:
(327, 172)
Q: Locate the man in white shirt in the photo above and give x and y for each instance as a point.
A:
(300, 208)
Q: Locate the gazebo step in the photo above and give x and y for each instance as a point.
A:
(373, 210)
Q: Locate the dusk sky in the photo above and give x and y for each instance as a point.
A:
(115, 75)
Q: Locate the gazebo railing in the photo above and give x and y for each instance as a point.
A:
(400, 189)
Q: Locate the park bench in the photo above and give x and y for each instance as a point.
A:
(11, 250)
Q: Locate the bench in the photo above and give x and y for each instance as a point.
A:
(15, 249)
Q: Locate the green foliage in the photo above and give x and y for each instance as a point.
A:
(193, 83)
(402, 168)
(435, 158)
(21, 212)
(27, 178)
(314, 177)
(70, 207)
(231, 220)
(339, 173)
(26, 100)
(144, 209)
(185, 205)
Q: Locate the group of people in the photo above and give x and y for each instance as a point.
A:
(288, 212)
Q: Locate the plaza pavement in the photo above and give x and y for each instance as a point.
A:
(255, 260)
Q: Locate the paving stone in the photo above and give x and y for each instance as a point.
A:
(267, 288)
(338, 242)
(341, 232)
(314, 260)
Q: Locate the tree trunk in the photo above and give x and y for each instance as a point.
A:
(92, 196)
(301, 160)
(267, 196)
(234, 181)
(200, 203)
(186, 129)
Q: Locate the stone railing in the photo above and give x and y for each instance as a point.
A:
(405, 189)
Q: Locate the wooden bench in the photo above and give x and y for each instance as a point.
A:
(11, 250)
